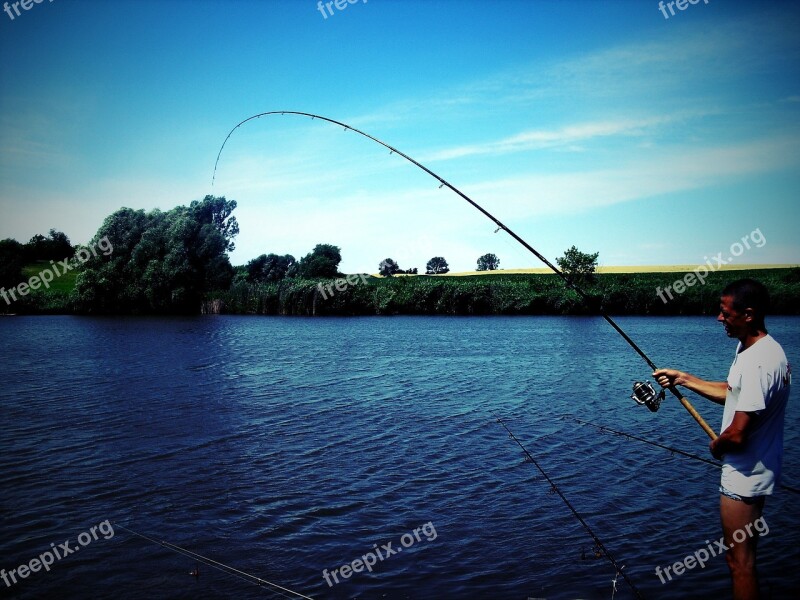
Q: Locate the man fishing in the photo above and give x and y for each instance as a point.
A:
(750, 444)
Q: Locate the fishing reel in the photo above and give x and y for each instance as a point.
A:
(643, 393)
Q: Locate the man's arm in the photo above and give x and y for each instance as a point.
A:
(713, 390)
(733, 437)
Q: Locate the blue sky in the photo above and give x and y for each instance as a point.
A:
(598, 124)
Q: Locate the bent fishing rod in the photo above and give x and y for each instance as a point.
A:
(643, 392)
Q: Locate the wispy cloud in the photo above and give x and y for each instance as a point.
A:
(670, 171)
(552, 138)
(26, 142)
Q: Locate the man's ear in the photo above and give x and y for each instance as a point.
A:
(748, 315)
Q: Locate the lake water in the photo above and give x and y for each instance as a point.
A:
(287, 446)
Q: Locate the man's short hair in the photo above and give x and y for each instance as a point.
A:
(748, 293)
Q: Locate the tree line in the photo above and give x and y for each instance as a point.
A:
(437, 265)
(162, 262)
(322, 262)
(498, 294)
(170, 262)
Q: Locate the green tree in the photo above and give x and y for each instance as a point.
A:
(36, 248)
(216, 212)
(160, 262)
(436, 266)
(60, 246)
(12, 259)
(269, 267)
(388, 267)
(322, 262)
(578, 266)
(488, 262)
(54, 247)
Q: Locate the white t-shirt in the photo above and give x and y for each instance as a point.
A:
(758, 383)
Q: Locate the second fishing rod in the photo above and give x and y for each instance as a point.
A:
(643, 392)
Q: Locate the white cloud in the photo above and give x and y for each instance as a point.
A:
(564, 137)
(668, 171)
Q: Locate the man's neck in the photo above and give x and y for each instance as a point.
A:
(751, 338)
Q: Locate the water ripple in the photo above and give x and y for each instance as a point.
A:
(289, 446)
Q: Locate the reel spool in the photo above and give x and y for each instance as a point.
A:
(643, 393)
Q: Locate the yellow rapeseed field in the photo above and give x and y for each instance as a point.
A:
(639, 269)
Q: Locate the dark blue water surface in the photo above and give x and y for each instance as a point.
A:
(286, 446)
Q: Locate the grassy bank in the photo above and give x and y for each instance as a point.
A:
(57, 299)
(498, 293)
(501, 294)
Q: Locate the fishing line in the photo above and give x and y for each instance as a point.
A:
(603, 428)
(274, 587)
(643, 398)
(598, 542)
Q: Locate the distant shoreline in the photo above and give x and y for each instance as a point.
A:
(505, 293)
(615, 290)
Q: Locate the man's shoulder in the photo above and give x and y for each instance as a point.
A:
(770, 355)
(772, 347)
(766, 352)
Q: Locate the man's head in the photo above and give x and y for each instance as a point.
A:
(743, 304)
